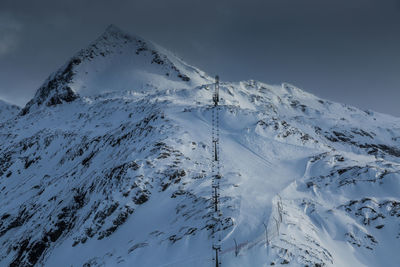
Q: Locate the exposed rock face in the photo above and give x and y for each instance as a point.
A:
(55, 90)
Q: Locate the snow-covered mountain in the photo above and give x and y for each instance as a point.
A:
(116, 61)
(109, 165)
(7, 110)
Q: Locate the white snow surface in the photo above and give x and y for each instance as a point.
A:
(117, 62)
(7, 110)
(117, 172)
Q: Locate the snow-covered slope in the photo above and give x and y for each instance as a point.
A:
(116, 61)
(122, 178)
(7, 111)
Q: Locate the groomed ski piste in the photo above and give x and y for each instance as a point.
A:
(109, 165)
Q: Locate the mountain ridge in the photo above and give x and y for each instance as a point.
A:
(66, 85)
(7, 110)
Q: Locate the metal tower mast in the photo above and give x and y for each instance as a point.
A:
(216, 175)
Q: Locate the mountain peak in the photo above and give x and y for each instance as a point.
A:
(115, 32)
(116, 61)
(113, 29)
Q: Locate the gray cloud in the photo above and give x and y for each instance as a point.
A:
(9, 33)
(345, 51)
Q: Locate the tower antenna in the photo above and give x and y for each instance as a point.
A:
(216, 175)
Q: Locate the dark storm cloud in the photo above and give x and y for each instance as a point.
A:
(346, 51)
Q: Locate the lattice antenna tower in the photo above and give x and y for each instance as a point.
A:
(216, 176)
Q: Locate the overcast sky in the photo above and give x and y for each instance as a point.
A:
(343, 50)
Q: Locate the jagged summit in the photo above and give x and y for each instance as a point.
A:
(114, 30)
(116, 61)
(108, 42)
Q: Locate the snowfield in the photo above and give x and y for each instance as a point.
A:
(109, 165)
